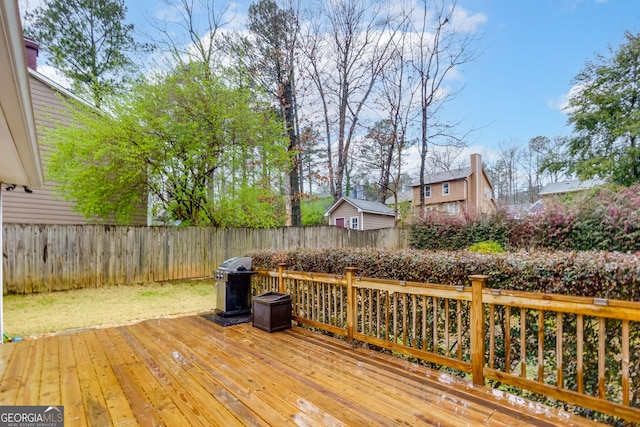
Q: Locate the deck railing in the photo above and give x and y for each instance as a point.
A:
(583, 351)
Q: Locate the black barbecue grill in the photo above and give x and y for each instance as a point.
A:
(233, 287)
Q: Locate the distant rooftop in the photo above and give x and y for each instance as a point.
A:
(432, 178)
(569, 186)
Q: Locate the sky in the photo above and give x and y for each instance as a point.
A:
(528, 53)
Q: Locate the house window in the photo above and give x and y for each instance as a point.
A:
(445, 188)
(488, 194)
(354, 223)
(452, 208)
(339, 222)
(427, 191)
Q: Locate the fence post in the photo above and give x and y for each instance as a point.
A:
(281, 268)
(477, 328)
(351, 302)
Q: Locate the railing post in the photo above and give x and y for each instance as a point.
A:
(351, 302)
(477, 328)
(281, 268)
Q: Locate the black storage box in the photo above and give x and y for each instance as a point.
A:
(272, 311)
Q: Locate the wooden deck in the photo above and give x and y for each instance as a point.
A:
(190, 371)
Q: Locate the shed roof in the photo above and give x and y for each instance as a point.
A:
(366, 206)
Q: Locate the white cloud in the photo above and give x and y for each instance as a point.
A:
(561, 102)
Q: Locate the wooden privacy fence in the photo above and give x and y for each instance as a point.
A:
(42, 258)
(582, 351)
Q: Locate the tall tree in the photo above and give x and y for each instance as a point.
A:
(605, 112)
(88, 41)
(441, 45)
(346, 47)
(396, 95)
(275, 37)
(554, 159)
(191, 33)
(203, 150)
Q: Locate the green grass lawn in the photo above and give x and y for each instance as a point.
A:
(35, 314)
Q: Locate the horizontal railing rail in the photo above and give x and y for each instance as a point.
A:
(579, 350)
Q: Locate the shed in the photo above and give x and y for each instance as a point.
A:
(358, 214)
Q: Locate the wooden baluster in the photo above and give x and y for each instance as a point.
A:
(378, 316)
(492, 340)
(446, 326)
(625, 362)
(559, 361)
(523, 343)
(435, 325)
(414, 320)
(579, 353)
(459, 309)
(602, 335)
(425, 306)
(540, 346)
(386, 314)
(404, 319)
(507, 339)
(371, 311)
(395, 317)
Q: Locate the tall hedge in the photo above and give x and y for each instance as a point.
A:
(604, 219)
(593, 274)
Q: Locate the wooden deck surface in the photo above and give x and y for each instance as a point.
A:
(190, 371)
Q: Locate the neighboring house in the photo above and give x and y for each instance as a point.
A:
(561, 188)
(19, 155)
(360, 214)
(457, 191)
(28, 205)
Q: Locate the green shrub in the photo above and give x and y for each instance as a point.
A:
(603, 219)
(446, 232)
(592, 274)
(487, 247)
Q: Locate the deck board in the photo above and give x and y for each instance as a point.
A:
(190, 371)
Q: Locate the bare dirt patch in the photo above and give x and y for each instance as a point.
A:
(34, 315)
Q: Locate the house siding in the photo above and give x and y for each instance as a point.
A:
(457, 190)
(366, 220)
(373, 221)
(473, 193)
(346, 211)
(40, 206)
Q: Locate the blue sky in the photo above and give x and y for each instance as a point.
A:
(528, 54)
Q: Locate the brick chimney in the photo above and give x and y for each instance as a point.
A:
(476, 190)
(31, 49)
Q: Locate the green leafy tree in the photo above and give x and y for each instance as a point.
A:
(272, 49)
(605, 114)
(88, 41)
(205, 153)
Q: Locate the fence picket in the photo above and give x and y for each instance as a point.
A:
(42, 258)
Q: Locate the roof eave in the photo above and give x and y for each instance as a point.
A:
(18, 138)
